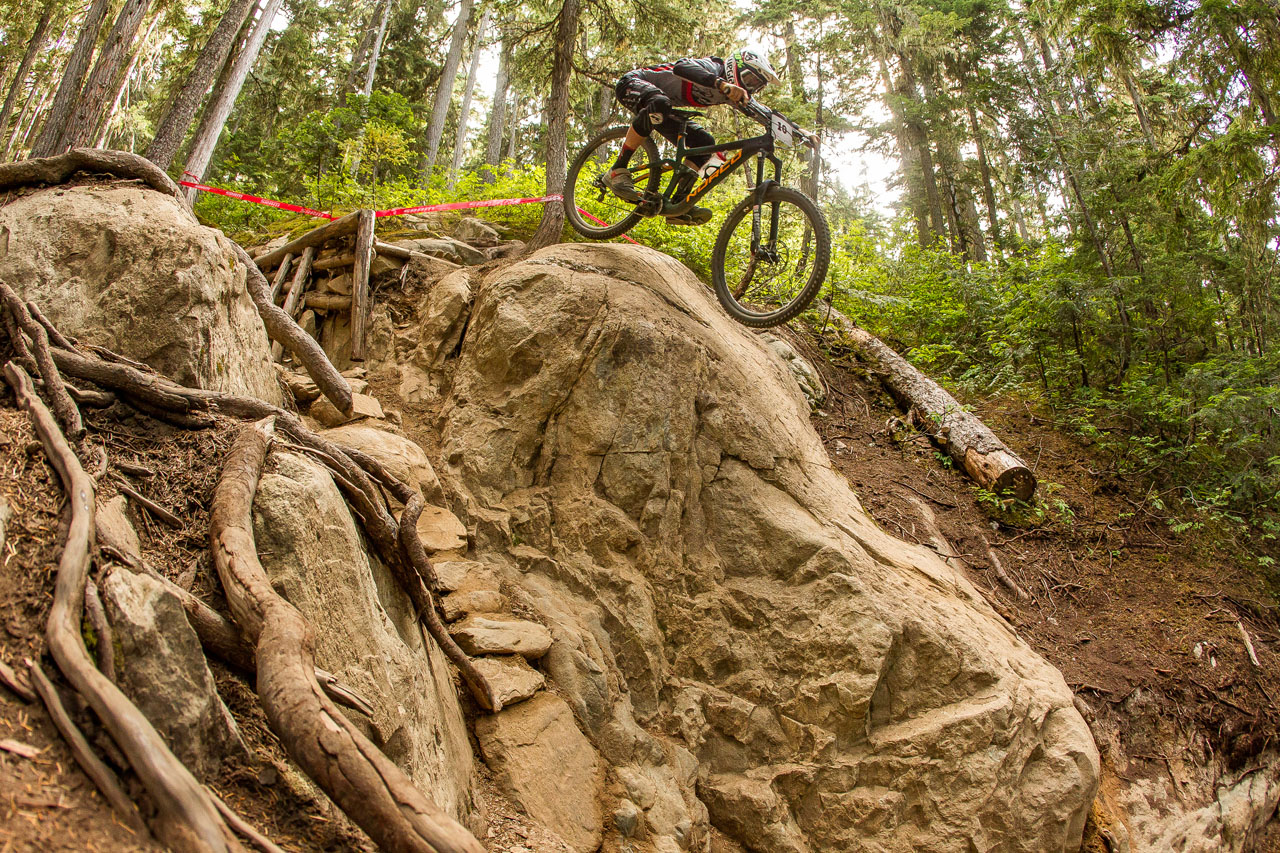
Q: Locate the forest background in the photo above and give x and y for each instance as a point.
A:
(1086, 197)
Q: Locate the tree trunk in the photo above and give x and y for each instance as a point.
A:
(360, 55)
(215, 114)
(493, 150)
(907, 157)
(375, 51)
(77, 66)
(513, 141)
(444, 92)
(24, 68)
(988, 189)
(464, 114)
(968, 441)
(94, 98)
(177, 120)
(557, 143)
(122, 86)
(22, 124)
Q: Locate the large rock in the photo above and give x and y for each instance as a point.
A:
(130, 269)
(674, 519)
(162, 668)
(402, 458)
(547, 766)
(365, 630)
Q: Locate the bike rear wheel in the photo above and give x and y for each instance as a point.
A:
(780, 278)
(591, 207)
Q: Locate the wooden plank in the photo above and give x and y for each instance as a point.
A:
(360, 304)
(394, 251)
(296, 288)
(337, 228)
(277, 283)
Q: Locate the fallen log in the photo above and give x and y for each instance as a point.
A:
(964, 437)
(317, 237)
(367, 786)
(333, 262)
(327, 302)
(277, 283)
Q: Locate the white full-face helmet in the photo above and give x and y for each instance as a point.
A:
(751, 70)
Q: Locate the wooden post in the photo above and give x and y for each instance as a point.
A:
(277, 283)
(294, 299)
(360, 303)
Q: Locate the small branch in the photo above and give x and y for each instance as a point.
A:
(106, 639)
(93, 399)
(92, 765)
(1003, 576)
(1248, 644)
(150, 505)
(416, 556)
(55, 337)
(16, 685)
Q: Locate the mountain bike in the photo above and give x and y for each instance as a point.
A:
(771, 255)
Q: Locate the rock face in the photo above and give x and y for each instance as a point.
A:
(162, 669)
(730, 630)
(545, 762)
(130, 269)
(365, 630)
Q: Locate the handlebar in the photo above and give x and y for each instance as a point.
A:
(764, 115)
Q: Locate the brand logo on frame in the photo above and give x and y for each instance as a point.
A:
(728, 164)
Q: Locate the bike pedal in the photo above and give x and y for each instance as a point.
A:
(650, 205)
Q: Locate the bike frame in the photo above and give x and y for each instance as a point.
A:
(761, 147)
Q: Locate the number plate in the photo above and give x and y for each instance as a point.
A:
(783, 131)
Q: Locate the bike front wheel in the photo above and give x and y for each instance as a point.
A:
(591, 207)
(766, 280)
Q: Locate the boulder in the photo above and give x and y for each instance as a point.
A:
(806, 377)
(452, 574)
(114, 527)
(545, 764)
(362, 406)
(440, 530)
(364, 628)
(131, 269)
(456, 605)
(443, 314)
(511, 678)
(476, 232)
(162, 668)
(706, 572)
(402, 458)
(491, 635)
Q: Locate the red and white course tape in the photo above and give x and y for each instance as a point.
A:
(395, 211)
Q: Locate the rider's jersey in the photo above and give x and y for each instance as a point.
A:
(689, 81)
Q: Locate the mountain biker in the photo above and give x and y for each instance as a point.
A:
(650, 93)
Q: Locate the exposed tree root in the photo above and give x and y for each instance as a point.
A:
(59, 169)
(361, 780)
(106, 638)
(282, 328)
(106, 780)
(187, 818)
(65, 408)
